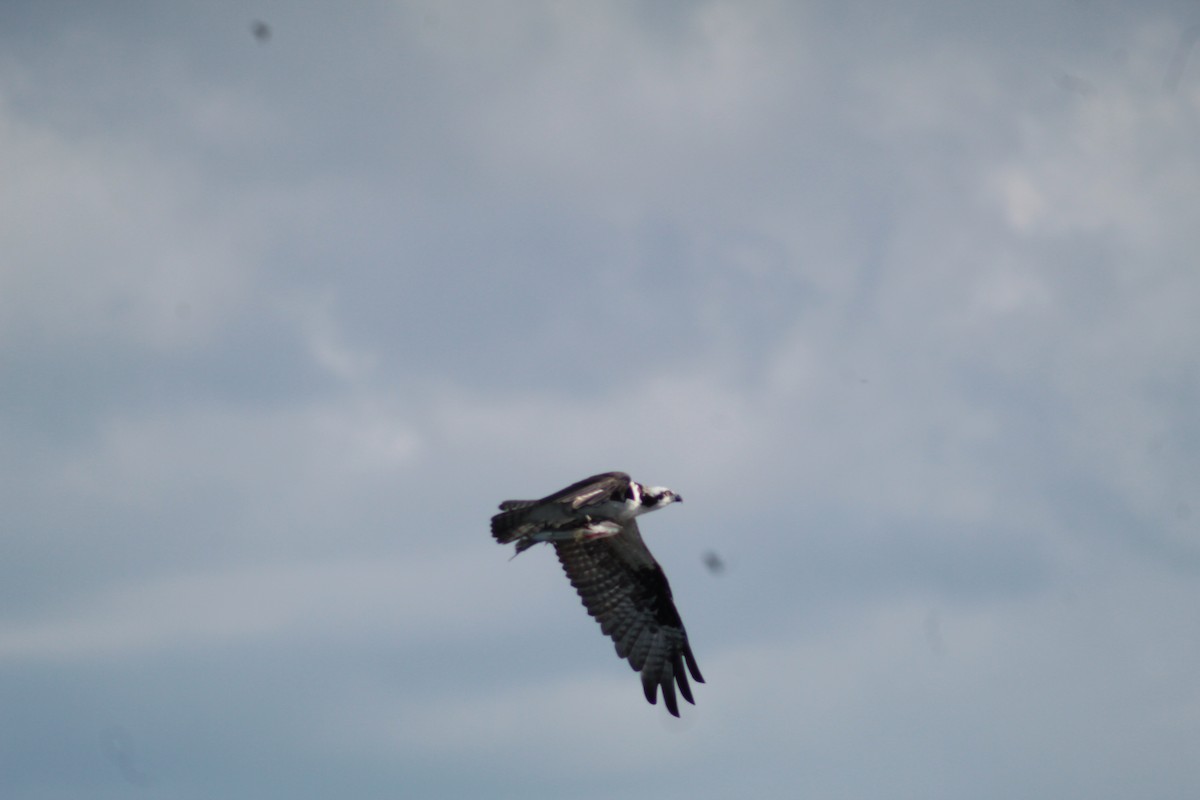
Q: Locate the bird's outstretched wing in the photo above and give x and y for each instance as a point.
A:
(562, 510)
(625, 589)
(591, 491)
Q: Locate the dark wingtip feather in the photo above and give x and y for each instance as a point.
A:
(666, 680)
(651, 684)
(681, 677)
(668, 687)
(650, 689)
(691, 663)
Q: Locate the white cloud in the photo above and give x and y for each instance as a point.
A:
(1011, 690)
(150, 459)
(403, 597)
(100, 242)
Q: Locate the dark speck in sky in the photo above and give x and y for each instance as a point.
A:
(261, 30)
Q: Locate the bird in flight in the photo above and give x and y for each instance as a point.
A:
(593, 527)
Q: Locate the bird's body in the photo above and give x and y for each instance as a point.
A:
(593, 527)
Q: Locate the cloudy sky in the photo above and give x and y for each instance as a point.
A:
(900, 296)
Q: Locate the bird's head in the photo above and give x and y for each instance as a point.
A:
(658, 496)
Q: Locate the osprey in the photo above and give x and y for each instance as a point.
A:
(593, 527)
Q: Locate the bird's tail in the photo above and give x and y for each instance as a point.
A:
(506, 526)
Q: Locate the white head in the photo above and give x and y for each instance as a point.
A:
(655, 497)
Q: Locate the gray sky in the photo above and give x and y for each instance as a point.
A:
(901, 297)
